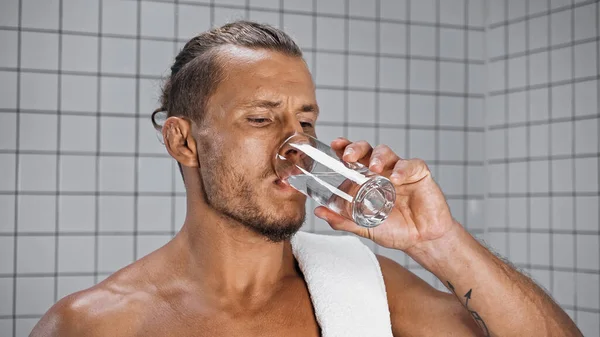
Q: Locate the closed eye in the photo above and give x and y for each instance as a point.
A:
(258, 120)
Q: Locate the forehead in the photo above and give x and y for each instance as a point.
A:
(258, 73)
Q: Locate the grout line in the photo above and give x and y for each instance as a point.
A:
(466, 104)
(548, 49)
(598, 107)
(550, 185)
(346, 64)
(506, 136)
(98, 139)
(377, 80)
(547, 12)
(437, 135)
(136, 164)
(407, 99)
(173, 165)
(486, 187)
(546, 85)
(573, 161)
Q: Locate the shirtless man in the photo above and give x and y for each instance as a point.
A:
(234, 94)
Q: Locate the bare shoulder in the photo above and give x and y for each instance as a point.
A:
(417, 308)
(110, 308)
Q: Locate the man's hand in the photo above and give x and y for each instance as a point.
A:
(421, 213)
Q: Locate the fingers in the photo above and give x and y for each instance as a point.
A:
(338, 222)
(409, 171)
(382, 158)
(352, 152)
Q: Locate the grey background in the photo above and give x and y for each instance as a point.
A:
(499, 97)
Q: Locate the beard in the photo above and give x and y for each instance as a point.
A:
(232, 194)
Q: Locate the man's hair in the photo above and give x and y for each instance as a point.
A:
(197, 70)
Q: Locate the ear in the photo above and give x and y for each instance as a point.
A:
(177, 135)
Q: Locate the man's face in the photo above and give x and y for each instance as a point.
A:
(264, 98)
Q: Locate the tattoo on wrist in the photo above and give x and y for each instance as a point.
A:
(473, 313)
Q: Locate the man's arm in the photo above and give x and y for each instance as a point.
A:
(502, 301)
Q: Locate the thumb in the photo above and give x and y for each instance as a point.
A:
(339, 223)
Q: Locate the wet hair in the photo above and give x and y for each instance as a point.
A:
(197, 71)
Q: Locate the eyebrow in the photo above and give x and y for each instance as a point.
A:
(266, 104)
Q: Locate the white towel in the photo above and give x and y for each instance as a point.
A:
(345, 284)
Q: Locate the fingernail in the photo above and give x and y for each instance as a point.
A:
(375, 162)
(395, 177)
(349, 151)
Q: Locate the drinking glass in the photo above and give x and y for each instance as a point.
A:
(349, 189)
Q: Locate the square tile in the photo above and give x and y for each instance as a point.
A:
(35, 254)
(39, 14)
(539, 244)
(154, 213)
(586, 56)
(562, 213)
(44, 217)
(150, 91)
(223, 15)
(517, 213)
(564, 287)
(7, 166)
(476, 13)
(114, 252)
(476, 45)
(393, 9)
(542, 278)
(517, 108)
(192, 20)
(392, 108)
(80, 16)
(157, 19)
(32, 43)
(8, 95)
(560, 27)
(118, 55)
(496, 106)
(452, 111)
(538, 32)
(451, 179)
(8, 131)
(562, 98)
(516, 37)
(79, 93)
(392, 38)
(517, 177)
(585, 22)
(70, 284)
(475, 214)
(77, 173)
(392, 73)
(587, 252)
(156, 58)
(586, 213)
(423, 11)
(78, 133)
(538, 140)
(331, 7)
(118, 95)
(422, 110)
(117, 134)
(539, 212)
(562, 175)
(452, 43)
(149, 139)
(6, 297)
(496, 42)
(496, 76)
(361, 71)
(38, 132)
(330, 69)
(586, 136)
(538, 6)
(39, 91)
(561, 64)
(517, 72)
(300, 28)
(452, 12)
(476, 79)
(498, 243)
(475, 146)
(154, 174)
(116, 174)
(7, 213)
(395, 139)
(8, 54)
(538, 104)
(422, 144)
(539, 175)
(586, 175)
(368, 134)
(330, 33)
(119, 17)
(77, 213)
(297, 5)
(516, 9)
(452, 145)
(422, 75)
(361, 105)
(331, 103)
(586, 98)
(496, 144)
(362, 8)
(497, 11)
(274, 4)
(149, 243)
(538, 68)
(496, 212)
(37, 172)
(562, 138)
(7, 249)
(362, 36)
(563, 250)
(35, 295)
(76, 254)
(422, 41)
(475, 112)
(10, 16)
(79, 53)
(116, 213)
(497, 178)
(517, 245)
(587, 322)
(457, 208)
